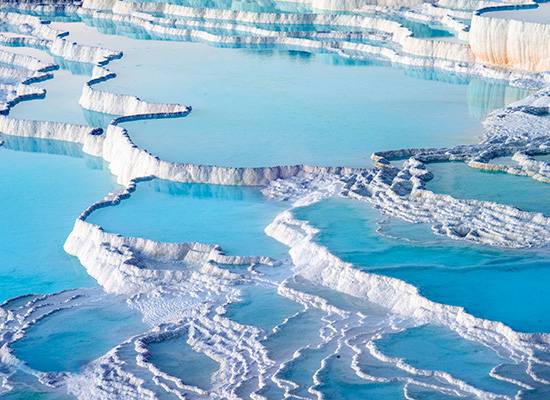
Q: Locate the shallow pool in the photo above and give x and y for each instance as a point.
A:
(177, 358)
(62, 94)
(69, 339)
(262, 307)
(42, 195)
(338, 381)
(231, 216)
(272, 107)
(461, 181)
(477, 278)
(448, 352)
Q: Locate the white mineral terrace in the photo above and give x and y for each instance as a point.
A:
(182, 289)
(519, 43)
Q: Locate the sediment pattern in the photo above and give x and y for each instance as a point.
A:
(183, 290)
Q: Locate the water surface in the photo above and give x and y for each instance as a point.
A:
(42, 196)
(477, 278)
(69, 339)
(231, 216)
(461, 181)
(270, 106)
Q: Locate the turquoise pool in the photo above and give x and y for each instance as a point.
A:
(477, 278)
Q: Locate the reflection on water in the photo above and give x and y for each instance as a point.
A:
(33, 145)
(459, 180)
(231, 216)
(486, 95)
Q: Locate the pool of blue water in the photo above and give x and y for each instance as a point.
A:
(61, 101)
(461, 181)
(255, 6)
(421, 29)
(20, 392)
(301, 370)
(63, 92)
(338, 381)
(69, 339)
(262, 307)
(177, 358)
(538, 15)
(299, 332)
(231, 216)
(477, 278)
(448, 352)
(42, 195)
(545, 158)
(287, 107)
(304, 108)
(505, 160)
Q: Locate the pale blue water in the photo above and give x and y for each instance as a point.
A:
(288, 107)
(448, 352)
(262, 307)
(294, 115)
(231, 216)
(420, 29)
(62, 96)
(506, 160)
(300, 331)
(543, 158)
(302, 369)
(70, 339)
(60, 103)
(42, 195)
(21, 392)
(339, 382)
(509, 161)
(445, 271)
(461, 181)
(177, 358)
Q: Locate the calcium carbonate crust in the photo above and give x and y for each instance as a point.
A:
(190, 301)
(494, 41)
